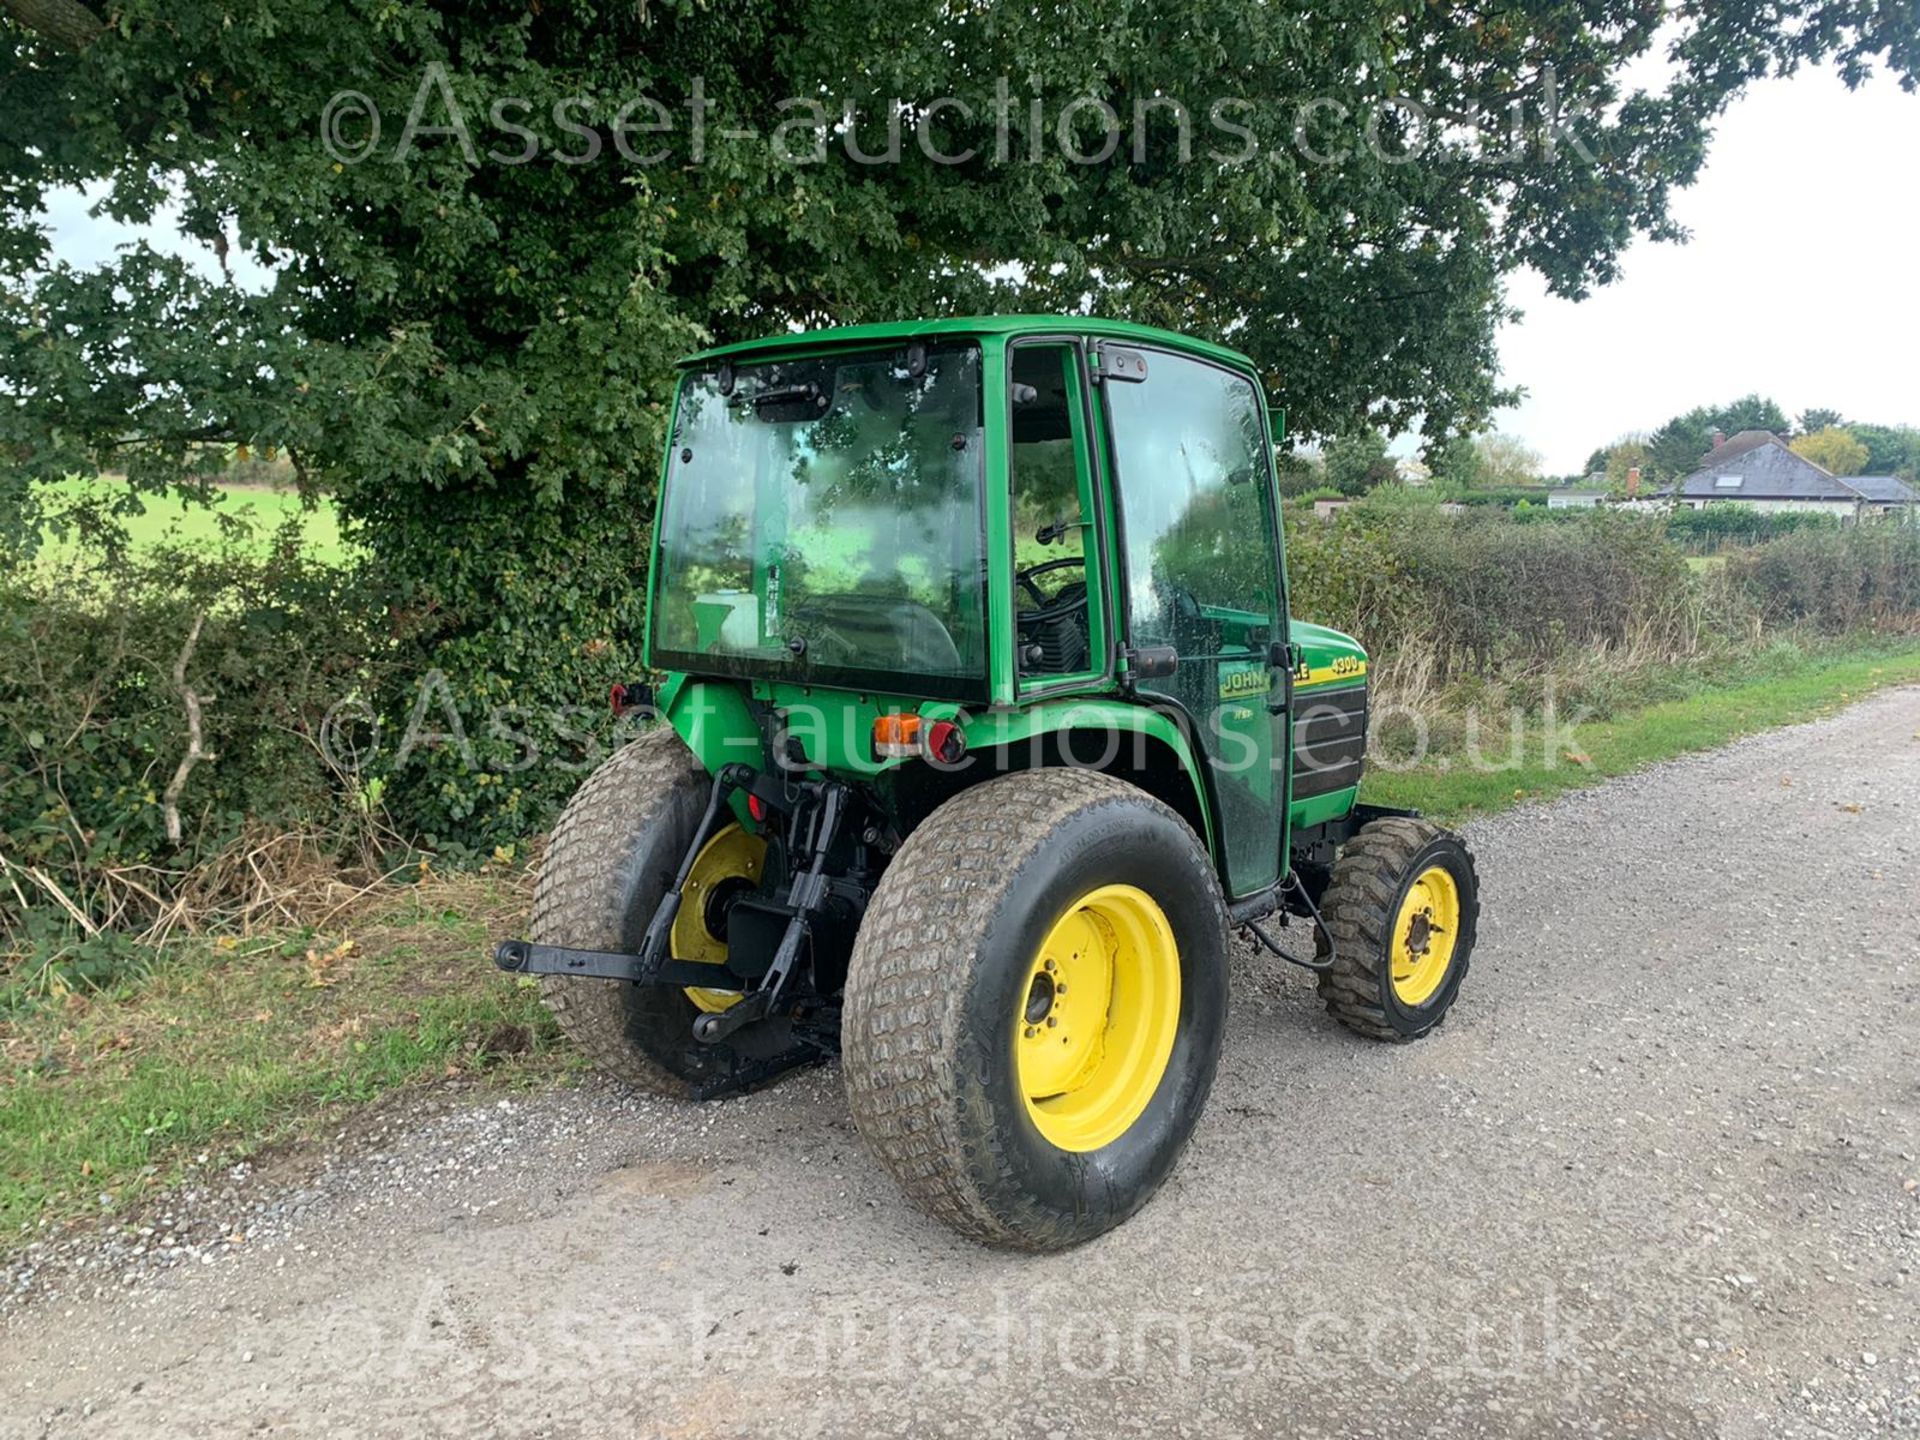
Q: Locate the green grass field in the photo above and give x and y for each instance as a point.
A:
(164, 519)
(227, 1044)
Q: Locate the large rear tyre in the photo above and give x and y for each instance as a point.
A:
(1403, 907)
(1034, 1007)
(610, 859)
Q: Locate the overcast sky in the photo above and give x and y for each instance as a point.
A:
(1801, 281)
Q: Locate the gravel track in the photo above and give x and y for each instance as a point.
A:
(1657, 1175)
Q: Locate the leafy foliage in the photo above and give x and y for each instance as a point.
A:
(1834, 450)
(1358, 462)
(1676, 448)
(1505, 460)
(472, 354)
(1891, 450)
(93, 725)
(1714, 526)
(1837, 579)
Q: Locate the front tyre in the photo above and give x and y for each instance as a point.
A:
(1403, 907)
(1034, 1007)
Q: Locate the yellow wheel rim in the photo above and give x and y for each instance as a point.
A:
(1425, 934)
(730, 858)
(1097, 1019)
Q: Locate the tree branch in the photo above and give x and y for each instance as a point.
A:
(67, 23)
(170, 801)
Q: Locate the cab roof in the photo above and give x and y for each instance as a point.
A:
(974, 325)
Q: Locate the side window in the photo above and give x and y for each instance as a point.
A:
(1191, 446)
(1054, 609)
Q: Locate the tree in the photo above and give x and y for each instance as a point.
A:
(1358, 462)
(1505, 460)
(1677, 447)
(472, 312)
(1813, 421)
(1299, 471)
(1891, 450)
(1834, 450)
(1623, 459)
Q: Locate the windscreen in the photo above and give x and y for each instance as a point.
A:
(822, 522)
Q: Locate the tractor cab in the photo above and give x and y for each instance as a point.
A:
(982, 521)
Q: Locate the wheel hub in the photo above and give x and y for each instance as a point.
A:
(728, 867)
(1424, 935)
(1097, 1023)
(1040, 998)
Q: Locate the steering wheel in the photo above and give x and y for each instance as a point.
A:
(1043, 608)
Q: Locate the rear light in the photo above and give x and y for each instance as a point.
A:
(757, 808)
(896, 737)
(908, 737)
(945, 742)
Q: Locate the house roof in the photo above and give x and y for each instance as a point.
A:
(1738, 445)
(1757, 465)
(1885, 489)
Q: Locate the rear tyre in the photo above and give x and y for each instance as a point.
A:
(1403, 907)
(610, 859)
(1034, 1007)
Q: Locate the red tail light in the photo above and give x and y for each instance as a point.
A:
(944, 742)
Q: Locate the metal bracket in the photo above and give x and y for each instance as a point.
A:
(653, 945)
(807, 894)
(1324, 954)
(523, 957)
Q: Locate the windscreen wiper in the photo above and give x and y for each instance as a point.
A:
(807, 393)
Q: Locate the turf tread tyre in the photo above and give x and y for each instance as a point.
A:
(905, 1021)
(1360, 907)
(609, 857)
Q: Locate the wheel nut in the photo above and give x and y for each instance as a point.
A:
(1031, 1032)
(1060, 989)
(1050, 965)
(1053, 1022)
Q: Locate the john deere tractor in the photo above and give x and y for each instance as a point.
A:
(982, 725)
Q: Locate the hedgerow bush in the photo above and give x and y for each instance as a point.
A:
(318, 719)
(1479, 592)
(1837, 578)
(94, 718)
(1709, 530)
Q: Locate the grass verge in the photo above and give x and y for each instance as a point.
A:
(219, 1048)
(1779, 687)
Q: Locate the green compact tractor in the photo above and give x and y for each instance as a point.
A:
(982, 724)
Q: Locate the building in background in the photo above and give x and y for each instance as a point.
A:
(1757, 468)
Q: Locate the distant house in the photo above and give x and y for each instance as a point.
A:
(1574, 499)
(1757, 468)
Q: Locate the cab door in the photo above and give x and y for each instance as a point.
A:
(1200, 577)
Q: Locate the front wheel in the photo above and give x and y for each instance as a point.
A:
(1035, 1005)
(1403, 907)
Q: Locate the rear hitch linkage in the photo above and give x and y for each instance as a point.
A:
(652, 964)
